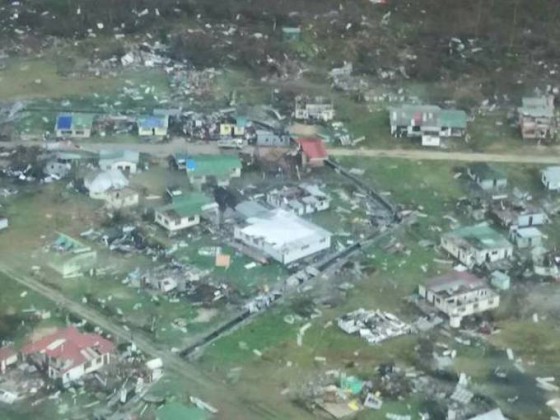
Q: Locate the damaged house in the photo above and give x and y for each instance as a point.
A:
(316, 109)
(537, 120)
(487, 177)
(514, 217)
(67, 355)
(122, 160)
(71, 258)
(74, 125)
(153, 125)
(236, 127)
(283, 236)
(301, 199)
(184, 211)
(459, 294)
(112, 187)
(476, 245)
(428, 122)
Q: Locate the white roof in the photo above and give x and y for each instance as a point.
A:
(104, 181)
(529, 232)
(281, 228)
(495, 414)
(552, 173)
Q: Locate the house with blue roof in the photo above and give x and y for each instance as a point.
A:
(153, 125)
(74, 125)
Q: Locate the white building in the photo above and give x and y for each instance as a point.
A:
(550, 178)
(476, 245)
(121, 199)
(283, 236)
(303, 199)
(99, 184)
(68, 355)
(4, 223)
(459, 294)
(122, 160)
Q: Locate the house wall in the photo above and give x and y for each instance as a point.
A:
(273, 140)
(124, 166)
(79, 263)
(465, 256)
(77, 134)
(490, 184)
(552, 185)
(8, 361)
(118, 200)
(527, 242)
(173, 225)
(468, 303)
(3, 223)
(287, 254)
(160, 132)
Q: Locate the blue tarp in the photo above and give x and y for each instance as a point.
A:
(64, 122)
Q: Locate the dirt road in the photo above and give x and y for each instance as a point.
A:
(232, 404)
(546, 157)
(534, 155)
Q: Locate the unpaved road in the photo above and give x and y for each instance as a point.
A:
(535, 155)
(232, 404)
(546, 157)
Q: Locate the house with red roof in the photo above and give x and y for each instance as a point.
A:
(67, 354)
(8, 357)
(312, 151)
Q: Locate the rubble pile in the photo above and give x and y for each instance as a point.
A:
(373, 326)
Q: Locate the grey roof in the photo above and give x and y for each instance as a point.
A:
(542, 106)
(249, 209)
(119, 155)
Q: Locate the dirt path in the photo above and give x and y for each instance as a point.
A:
(548, 156)
(534, 155)
(231, 404)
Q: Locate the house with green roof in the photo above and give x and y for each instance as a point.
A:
(476, 245)
(184, 211)
(178, 411)
(428, 122)
(209, 168)
(74, 125)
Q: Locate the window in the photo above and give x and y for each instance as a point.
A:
(490, 301)
(305, 247)
(475, 306)
(87, 365)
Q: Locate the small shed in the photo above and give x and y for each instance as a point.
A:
(4, 223)
(528, 237)
(291, 33)
(550, 178)
(500, 280)
(74, 125)
(153, 125)
(267, 138)
(487, 177)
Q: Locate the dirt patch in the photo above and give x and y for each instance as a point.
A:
(39, 333)
(303, 130)
(205, 315)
